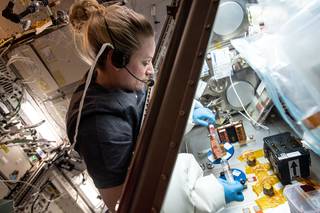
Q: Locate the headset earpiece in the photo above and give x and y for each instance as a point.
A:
(119, 59)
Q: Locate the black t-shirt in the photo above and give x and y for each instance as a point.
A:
(108, 129)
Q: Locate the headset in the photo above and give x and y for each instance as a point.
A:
(120, 59)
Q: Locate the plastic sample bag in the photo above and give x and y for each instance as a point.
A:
(288, 63)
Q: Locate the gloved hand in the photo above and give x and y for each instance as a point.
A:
(203, 116)
(232, 191)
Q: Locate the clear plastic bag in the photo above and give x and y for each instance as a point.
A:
(288, 63)
(276, 13)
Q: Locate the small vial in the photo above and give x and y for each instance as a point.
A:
(227, 171)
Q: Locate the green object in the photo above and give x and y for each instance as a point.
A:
(33, 159)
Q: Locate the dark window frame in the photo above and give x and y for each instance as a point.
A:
(163, 129)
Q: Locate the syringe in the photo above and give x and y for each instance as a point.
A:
(227, 171)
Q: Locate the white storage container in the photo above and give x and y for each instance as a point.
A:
(302, 198)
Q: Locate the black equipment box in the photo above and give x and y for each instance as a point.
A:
(287, 157)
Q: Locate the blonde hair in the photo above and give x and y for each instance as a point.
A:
(90, 19)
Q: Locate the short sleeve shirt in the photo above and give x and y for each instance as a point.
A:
(108, 129)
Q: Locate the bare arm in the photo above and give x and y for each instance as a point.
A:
(110, 196)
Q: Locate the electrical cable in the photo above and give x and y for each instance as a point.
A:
(36, 72)
(88, 81)
(249, 117)
(24, 182)
(5, 41)
(49, 200)
(38, 142)
(34, 202)
(52, 200)
(5, 50)
(48, 204)
(38, 189)
(23, 128)
(44, 197)
(16, 141)
(244, 115)
(16, 110)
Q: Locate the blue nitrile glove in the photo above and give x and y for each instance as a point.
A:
(232, 191)
(202, 116)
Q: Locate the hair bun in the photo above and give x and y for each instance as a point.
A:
(81, 12)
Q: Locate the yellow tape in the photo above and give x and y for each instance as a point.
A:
(218, 45)
(264, 179)
(267, 202)
(256, 154)
(258, 168)
(261, 172)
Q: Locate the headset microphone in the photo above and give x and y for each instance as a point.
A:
(148, 82)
